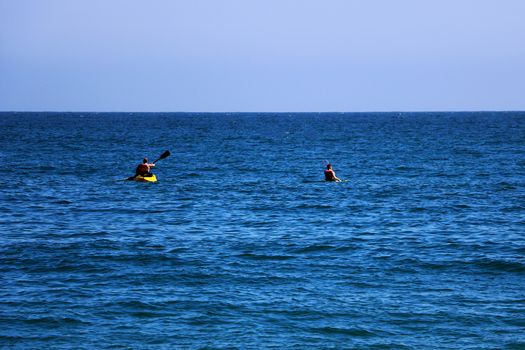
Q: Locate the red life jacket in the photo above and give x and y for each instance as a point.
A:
(142, 169)
(329, 175)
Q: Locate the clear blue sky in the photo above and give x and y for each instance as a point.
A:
(271, 55)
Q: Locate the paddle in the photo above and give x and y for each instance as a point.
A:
(165, 154)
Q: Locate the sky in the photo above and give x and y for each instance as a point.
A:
(262, 55)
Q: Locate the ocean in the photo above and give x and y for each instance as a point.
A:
(242, 245)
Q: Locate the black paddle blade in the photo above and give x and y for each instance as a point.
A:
(162, 156)
(165, 155)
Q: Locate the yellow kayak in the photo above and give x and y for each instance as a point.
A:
(139, 178)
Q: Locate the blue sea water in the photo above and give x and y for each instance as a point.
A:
(242, 245)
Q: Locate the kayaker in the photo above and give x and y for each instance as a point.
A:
(144, 169)
(329, 174)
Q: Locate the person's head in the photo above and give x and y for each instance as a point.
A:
(329, 166)
(145, 160)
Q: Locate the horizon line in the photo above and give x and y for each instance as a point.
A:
(268, 112)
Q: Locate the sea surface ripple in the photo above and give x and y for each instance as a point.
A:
(242, 245)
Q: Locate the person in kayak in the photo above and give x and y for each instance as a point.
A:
(144, 169)
(329, 174)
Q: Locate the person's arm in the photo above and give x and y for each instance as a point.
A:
(151, 165)
(335, 177)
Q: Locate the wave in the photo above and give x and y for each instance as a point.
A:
(355, 332)
(53, 321)
(265, 257)
(500, 265)
(315, 206)
(314, 248)
(482, 265)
